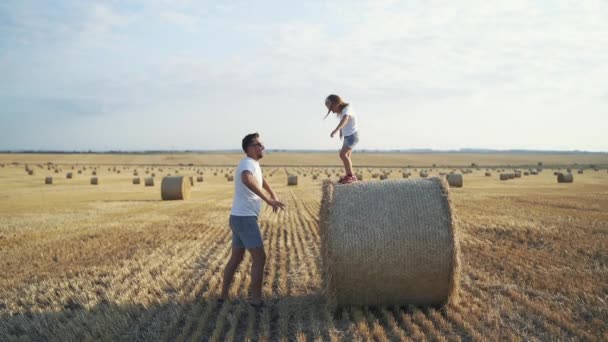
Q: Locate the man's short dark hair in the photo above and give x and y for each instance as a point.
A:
(248, 139)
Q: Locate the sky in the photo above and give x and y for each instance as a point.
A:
(190, 75)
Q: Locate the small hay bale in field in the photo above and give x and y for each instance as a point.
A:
(136, 180)
(534, 173)
(149, 181)
(292, 180)
(56, 170)
(580, 172)
(314, 177)
(455, 180)
(423, 174)
(191, 179)
(517, 174)
(383, 177)
(565, 178)
(30, 172)
(199, 179)
(506, 176)
(230, 178)
(48, 180)
(79, 172)
(359, 176)
(153, 174)
(488, 174)
(526, 173)
(69, 175)
(94, 181)
(405, 175)
(389, 243)
(94, 173)
(175, 188)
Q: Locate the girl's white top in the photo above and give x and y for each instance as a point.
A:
(351, 125)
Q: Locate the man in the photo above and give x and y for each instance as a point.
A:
(248, 197)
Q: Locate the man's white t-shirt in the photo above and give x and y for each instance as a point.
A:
(246, 202)
(351, 125)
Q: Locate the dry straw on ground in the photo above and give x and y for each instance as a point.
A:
(175, 188)
(389, 243)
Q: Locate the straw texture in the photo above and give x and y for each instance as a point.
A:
(389, 243)
(175, 188)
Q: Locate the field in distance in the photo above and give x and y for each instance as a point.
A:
(112, 261)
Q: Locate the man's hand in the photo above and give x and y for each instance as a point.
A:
(334, 133)
(276, 205)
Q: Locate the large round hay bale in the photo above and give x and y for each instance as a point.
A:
(455, 180)
(94, 181)
(175, 188)
(48, 180)
(136, 180)
(565, 178)
(149, 181)
(292, 180)
(389, 243)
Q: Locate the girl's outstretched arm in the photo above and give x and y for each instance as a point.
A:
(342, 123)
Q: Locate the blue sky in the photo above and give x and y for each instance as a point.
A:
(100, 75)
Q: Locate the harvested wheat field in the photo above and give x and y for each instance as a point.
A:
(115, 262)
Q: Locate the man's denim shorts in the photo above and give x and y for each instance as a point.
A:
(351, 141)
(245, 232)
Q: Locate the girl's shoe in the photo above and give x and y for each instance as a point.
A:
(348, 179)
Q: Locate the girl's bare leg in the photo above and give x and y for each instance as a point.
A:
(345, 156)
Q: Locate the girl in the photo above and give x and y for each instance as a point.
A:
(347, 128)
